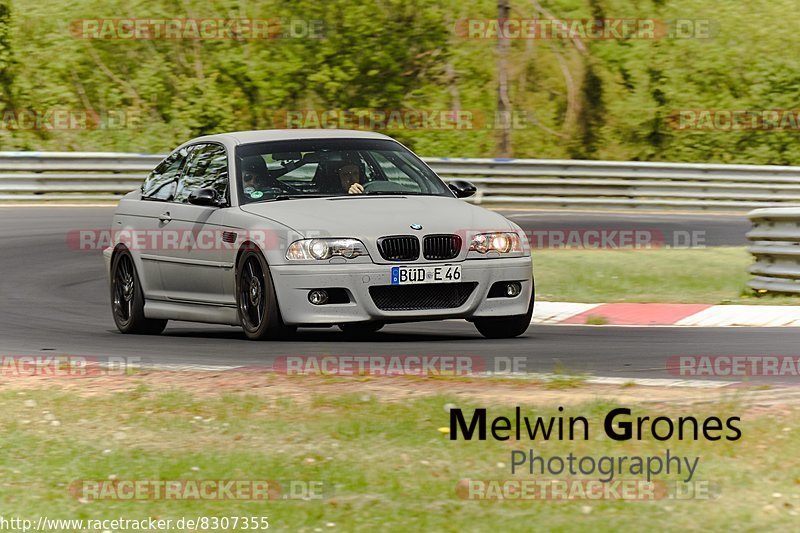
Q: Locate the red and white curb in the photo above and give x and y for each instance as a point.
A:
(635, 314)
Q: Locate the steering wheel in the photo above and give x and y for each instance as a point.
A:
(383, 186)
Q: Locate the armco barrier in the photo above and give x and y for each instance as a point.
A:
(776, 246)
(79, 176)
(501, 182)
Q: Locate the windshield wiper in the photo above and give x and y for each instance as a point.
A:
(294, 197)
(395, 193)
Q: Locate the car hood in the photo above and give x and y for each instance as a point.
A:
(372, 217)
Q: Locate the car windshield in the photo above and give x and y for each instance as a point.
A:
(331, 167)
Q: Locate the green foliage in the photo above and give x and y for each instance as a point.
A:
(6, 56)
(609, 99)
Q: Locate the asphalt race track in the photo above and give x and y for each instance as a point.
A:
(54, 299)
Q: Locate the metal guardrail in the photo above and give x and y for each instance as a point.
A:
(81, 176)
(500, 182)
(776, 246)
(569, 183)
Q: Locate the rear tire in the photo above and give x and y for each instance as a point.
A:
(127, 298)
(506, 327)
(361, 329)
(256, 300)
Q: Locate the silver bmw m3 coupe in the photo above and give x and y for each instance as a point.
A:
(279, 229)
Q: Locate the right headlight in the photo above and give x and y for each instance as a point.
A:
(504, 242)
(321, 249)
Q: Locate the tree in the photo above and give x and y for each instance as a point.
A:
(503, 100)
(6, 58)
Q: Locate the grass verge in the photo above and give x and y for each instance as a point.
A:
(710, 275)
(377, 443)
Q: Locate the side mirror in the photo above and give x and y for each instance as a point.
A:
(462, 188)
(207, 197)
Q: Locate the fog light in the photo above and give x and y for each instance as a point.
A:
(318, 297)
(513, 289)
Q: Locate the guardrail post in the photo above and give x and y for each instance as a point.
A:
(775, 239)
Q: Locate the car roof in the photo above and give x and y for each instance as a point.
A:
(256, 136)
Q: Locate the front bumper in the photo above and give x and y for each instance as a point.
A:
(293, 282)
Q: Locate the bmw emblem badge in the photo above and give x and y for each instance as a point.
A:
(416, 226)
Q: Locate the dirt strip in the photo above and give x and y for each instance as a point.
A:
(303, 388)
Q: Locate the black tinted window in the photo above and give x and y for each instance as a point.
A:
(207, 167)
(162, 182)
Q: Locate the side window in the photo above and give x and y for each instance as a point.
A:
(207, 167)
(162, 182)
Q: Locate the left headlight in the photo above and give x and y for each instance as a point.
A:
(500, 242)
(321, 249)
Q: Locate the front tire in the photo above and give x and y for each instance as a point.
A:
(256, 300)
(506, 327)
(127, 298)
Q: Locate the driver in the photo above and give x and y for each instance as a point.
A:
(350, 178)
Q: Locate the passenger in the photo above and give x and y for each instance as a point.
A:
(254, 172)
(248, 182)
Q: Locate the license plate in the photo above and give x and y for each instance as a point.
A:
(426, 274)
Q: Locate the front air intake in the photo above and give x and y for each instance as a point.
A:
(399, 248)
(441, 247)
(421, 297)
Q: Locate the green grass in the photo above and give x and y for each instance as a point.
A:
(710, 275)
(596, 320)
(559, 382)
(390, 467)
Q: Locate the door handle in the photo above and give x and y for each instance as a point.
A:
(165, 217)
